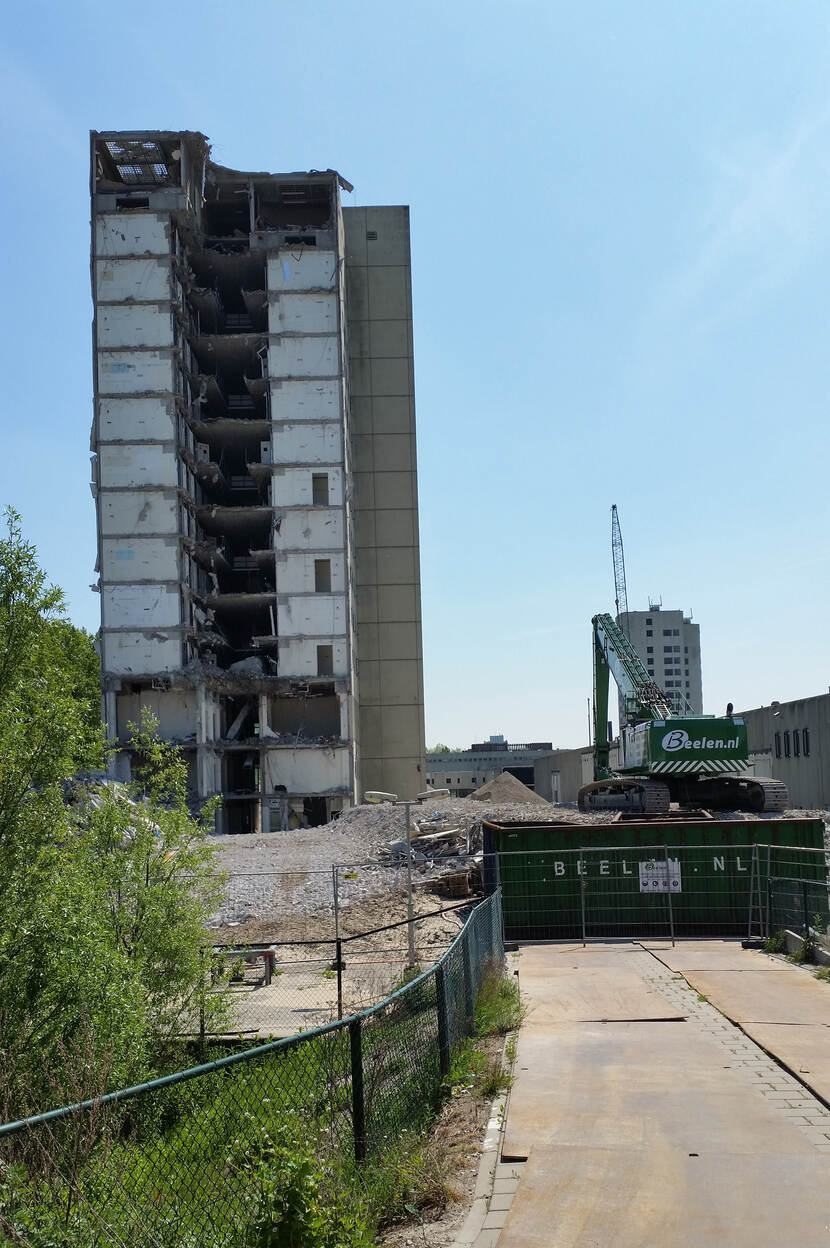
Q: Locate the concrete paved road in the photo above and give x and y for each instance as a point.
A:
(671, 1129)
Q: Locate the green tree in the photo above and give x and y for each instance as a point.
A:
(160, 878)
(103, 899)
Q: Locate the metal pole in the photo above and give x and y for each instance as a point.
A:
(582, 890)
(335, 888)
(804, 904)
(753, 871)
(338, 945)
(358, 1106)
(410, 916)
(769, 898)
(443, 1029)
(668, 890)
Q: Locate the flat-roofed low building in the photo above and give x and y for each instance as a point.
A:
(791, 742)
(464, 771)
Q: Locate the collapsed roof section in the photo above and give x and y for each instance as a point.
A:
(227, 201)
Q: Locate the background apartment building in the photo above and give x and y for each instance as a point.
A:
(255, 477)
(668, 643)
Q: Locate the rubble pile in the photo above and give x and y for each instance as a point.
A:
(506, 787)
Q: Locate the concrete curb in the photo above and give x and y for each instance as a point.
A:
(496, 1181)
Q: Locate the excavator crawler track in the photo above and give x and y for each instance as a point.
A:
(643, 797)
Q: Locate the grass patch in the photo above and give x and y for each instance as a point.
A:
(804, 953)
(823, 973)
(776, 943)
(499, 1006)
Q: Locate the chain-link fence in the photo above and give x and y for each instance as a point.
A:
(300, 949)
(178, 1160)
(659, 890)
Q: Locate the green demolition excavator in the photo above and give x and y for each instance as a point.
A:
(694, 760)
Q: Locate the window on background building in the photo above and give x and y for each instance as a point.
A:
(667, 632)
(649, 621)
(667, 650)
(448, 780)
(796, 743)
(786, 743)
(649, 632)
(675, 632)
(649, 649)
(778, 745)
(805, 741)
(325, 660)
(322, 576)
(676, 649)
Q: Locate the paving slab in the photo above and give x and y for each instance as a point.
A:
(600, 1198)
(646, 1133)
(583, 988)
(785, 995)
(711, 955)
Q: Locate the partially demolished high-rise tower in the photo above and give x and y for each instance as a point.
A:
(254, 471)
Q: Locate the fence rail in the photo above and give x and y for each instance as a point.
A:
(174, 1161)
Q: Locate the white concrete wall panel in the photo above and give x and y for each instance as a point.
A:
(137, 465)
(299, 658)
(306, 400)
(307, 444)
(308, 770)
(137, 654)
(132, 234)
(134, 372)
(317, 616)
(293, 487)
(302, 269)
(295, 572)
(141, 512)
(134, 325)
(318, 529)
(136, 419)
(304, 357)
(140, 559)
(310, 312)
(140, 606)
(136, 280)
(175, 709)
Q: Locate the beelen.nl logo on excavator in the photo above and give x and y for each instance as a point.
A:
(677, 739)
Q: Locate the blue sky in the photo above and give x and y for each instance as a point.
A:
(620, 237)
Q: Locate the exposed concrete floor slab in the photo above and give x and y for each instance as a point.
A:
(784, 995)
(651, 1133)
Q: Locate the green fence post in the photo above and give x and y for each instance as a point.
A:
(769, 890)
(469, 990)
(358, 1105)
(582, 891)
(338, 947)
(443, 1029)
(804, 904)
